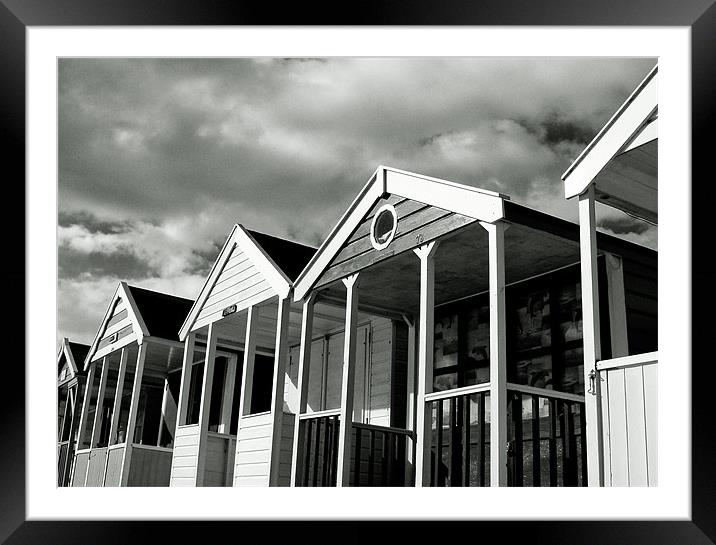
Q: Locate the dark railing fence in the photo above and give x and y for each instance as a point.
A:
(546, 446)
(381, 453)
(460, 442)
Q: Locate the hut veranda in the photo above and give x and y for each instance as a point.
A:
(441, 335)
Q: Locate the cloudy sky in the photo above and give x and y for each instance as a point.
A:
(158, 158)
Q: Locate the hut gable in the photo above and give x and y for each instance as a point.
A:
(251, 268)
(424, 209)
(122, 325)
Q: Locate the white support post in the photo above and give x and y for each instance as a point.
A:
(304, 366)
(206, 387)
(426, 340)
(410, 409)
(188, 363)
(279, 380)
(97, 426)
(498, 354)
(82, 427)
(133, 409)
(247, 374)
(348, 383)
(227, 399)
(591, 337)
(118, 391)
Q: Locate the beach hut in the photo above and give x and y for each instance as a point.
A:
(234, 426)
(70, 392)
(619, 168)
(484, 369)
(128, 418)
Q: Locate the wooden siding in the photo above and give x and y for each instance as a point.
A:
(240, 283)
(418, 223)
(185, 458)
(220, 452)
(629, 405)
(80, 471)
(252, 458)
(150, 466)
(114, 466)
(284, 473)
(372, 394)
(95, 471)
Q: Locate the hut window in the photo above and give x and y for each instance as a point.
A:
(262, 384)
(383, 226)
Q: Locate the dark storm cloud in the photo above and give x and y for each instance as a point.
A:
(158, 158)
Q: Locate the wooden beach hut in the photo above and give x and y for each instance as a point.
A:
(483, 371)
(70, 393)
(233, 426)
(619, 168)
(128, 418)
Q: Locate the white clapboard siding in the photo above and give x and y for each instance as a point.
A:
(240, 283)
(185, 456)
(629, 402)
(251, 466)
(380, 367)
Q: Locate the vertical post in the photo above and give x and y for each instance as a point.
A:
(348, 383)
(279, 380)
(304, 366)
(206, 387)
(410, 409)
(247, 376)
(82, 427)
(617, 306)
(133, 409)
(498, 354)
(227, 399)
(187, 364)
(426, 340)
(97, 426)
(591, 336)
(118, 391)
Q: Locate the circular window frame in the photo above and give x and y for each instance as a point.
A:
(382, 245)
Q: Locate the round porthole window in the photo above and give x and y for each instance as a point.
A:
(382, 229)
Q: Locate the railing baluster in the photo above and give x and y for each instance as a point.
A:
(481, 436)
(356, 469)
(439, 443)
(451, 438)
(326, 452)
(334, 449)
(583, 443)
(318, 450)
(371, 457)
(572, 446)
(553, 442)
(517, 416)
(385, 452)
(536, 442)
(466, 440)
(307, 450)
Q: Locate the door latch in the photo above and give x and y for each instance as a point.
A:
(592, 382)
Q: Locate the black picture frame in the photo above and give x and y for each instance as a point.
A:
(16, 15)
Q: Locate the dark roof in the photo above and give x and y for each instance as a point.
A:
(291, 257)
(79, 353)
(163, 314)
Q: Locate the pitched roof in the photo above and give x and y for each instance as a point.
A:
(79, 351)
(72, 353)
(276, 260)
(470, 201)
(291, 257)
(163, 314)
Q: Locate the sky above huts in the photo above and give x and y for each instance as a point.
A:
(158, 158)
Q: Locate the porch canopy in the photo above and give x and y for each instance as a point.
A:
(621, 161)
